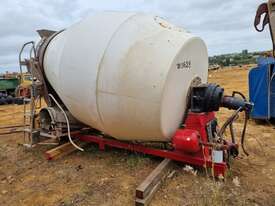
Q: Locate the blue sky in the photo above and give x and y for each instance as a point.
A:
(225, 26)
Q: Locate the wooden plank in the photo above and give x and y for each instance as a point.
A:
(146, 201)
(149, 186)
(11, 126)
(10, 132)
(62, 150)
(49, 142)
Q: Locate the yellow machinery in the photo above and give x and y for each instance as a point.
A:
(23, 89)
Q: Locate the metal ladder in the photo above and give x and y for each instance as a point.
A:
(30, 135)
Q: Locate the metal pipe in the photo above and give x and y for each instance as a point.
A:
(20, 55)
(68, 124)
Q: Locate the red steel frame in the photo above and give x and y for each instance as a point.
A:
(201, 159)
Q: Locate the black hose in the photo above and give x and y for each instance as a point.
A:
(243, 133)
(233, 139)
(230, 121)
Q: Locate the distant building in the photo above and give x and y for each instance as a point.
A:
(245, 52)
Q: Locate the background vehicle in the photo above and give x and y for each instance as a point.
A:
(14, 87)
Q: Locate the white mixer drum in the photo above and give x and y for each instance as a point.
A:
(126, 74)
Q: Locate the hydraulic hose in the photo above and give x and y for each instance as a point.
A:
(230, 121)
(68, 124)
(244, 131)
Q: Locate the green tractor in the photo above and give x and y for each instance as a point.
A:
(14, 87)
(8, 84)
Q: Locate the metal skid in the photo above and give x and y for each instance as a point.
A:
(202, 158)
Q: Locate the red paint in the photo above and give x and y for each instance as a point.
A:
(186, 144)
(174, 155)
(199, 121)
(187, 140)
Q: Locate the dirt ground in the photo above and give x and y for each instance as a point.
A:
(110, 178)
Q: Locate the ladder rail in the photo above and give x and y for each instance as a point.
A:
(28, 120)
(32, 51)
